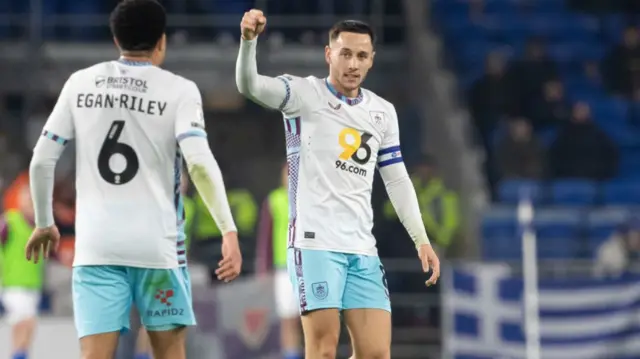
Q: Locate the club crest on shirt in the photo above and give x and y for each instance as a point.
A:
(198, 122)
(320, 290)
(378, 118)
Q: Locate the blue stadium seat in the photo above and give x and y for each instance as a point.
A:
(602, 222)
(574, 192)
(593, 244)
(557, 222)
(511, 191)
(558, 247)
(556, 231)
(499, 222)
(503, 248)
(621, 193)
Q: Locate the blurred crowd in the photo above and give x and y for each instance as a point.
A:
(190, 20)
(529, 125)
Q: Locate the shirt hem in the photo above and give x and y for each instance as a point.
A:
(373, 252)
(129, 264)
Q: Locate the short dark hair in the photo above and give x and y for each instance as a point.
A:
(356, 26)
(138, 25)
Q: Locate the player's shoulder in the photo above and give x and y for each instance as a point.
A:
(181, 83)
(377, 101)
(100, 71)
(84, 75)
(308, 80)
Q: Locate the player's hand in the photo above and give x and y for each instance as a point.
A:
(429, 260)
(252, 24)
(42, 240)
(231, 264)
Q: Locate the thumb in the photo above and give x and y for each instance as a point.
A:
(425, 262)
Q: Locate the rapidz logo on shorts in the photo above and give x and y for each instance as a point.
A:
(163, 296)
(320, 290)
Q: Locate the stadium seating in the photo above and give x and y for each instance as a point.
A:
(573, 217)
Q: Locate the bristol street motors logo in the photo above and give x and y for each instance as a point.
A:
(100, 81)
(164, 297)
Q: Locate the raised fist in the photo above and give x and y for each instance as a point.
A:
(252, 24)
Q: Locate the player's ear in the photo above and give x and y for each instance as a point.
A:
(373, 56)
(327, 54)
(115, 41)
(162, 43)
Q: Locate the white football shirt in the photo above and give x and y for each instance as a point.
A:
(334, 144)
(127, 119)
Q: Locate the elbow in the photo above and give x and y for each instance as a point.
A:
(242, 82)
(38, 166)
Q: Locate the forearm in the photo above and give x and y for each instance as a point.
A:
(404, 200)
(267, 91)
(207, 178)
(41, 178)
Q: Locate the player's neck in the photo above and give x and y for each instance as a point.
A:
(348, 93)
(136, 59)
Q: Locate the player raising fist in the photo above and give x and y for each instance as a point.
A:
(337, 133)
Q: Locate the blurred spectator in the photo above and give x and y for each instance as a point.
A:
(549, 108)
(614, 256)
(621, 67)
(490, 97)
(476, 9)
(438, 204)
(530, 73)
(592, 73)
(582, 149)
(634, 111)
(520, 154)
(10, 200)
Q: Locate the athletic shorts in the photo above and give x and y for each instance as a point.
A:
(103, 295)
(324, 279)
(20, 303)
(286, 300)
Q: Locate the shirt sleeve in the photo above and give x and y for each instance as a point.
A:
(402, 194)
(389, 153)
(283, 93)
(57, 132)
(206, 176)
(59, 126)
(189, 114)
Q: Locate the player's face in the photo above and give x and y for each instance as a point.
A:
(161, 50)
(350, 57)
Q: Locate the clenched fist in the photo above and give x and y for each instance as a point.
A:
(252, 24)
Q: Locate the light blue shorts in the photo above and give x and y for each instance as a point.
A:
(323, 279)
(102, 298)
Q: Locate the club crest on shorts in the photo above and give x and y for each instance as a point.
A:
(320, 290)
